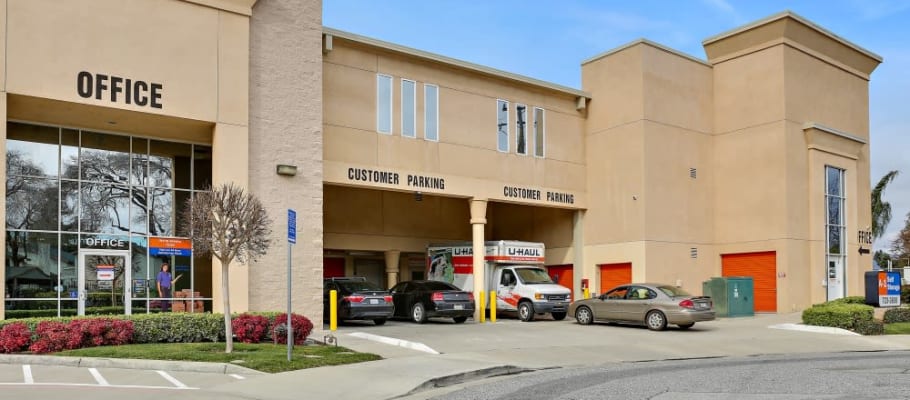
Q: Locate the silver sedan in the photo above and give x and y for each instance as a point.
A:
(654, 305)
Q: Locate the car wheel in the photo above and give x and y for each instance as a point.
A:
(685, 326)
(460, 320)
(418, 313)
(526, 311)
(584, 316)
(656, 321)
(379, 321)
(559, 316)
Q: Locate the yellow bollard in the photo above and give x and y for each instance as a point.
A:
(333, 310)
(493, 306)
(482, 307)
(587, 293)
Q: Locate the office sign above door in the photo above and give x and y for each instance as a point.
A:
(160, 246)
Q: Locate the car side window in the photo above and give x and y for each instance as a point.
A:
(641, 293)
(616, 294)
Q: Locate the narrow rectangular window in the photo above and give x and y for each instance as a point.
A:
(384, 104)
(521, 129)
(408, 108)
(502, 125)
(539, 134)
(431, 112)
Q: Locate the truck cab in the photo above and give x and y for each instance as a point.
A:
(529, 291)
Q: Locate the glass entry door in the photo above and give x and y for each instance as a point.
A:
(104, 277)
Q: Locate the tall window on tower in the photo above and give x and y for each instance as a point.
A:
(431, 112)
(408, 108)
(521, 129)
(383, 103)
(539, 138)
(502, 125)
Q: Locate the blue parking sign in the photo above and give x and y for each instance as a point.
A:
(292, 226)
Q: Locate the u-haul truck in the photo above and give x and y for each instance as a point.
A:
(514, 269)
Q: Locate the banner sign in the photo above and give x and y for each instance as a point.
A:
(889, 289)
(160, 246)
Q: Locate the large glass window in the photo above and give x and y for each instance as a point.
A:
(63, 183)
(408, 108)
(539, 134)
(502, 125)
(521, 129)
(383, 103)
(835, 219)
(431, 112)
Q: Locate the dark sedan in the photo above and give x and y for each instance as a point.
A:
(419, 300)
(358, 299)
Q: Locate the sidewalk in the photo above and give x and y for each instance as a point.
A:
(474, 351)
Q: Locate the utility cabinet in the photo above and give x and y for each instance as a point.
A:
(732, 296)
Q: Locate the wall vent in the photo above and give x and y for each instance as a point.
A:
(693, 173)
(693, 252)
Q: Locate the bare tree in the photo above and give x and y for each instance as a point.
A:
(230, 224)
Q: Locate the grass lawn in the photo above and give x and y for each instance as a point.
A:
(266, 357)
(898, 328)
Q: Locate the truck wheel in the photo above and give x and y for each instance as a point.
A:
(526, 311)
(418, 314)
(559, 316)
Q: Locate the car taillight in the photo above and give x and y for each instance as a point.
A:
(687, 304)
(354, 299)
(388, 299)
(437, 296)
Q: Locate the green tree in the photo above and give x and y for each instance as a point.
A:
(900, 247)
(881, 258)
(231, 225)
(881, 210)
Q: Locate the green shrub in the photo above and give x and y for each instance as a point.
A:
(837, 315)
(849, 300)
(900, 314)
(177, 327)
(869, 328)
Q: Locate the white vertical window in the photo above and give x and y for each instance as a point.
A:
(539, 134)
(502, 125)
(408, 108)
(521, 129)
(835, 227)
(431, 112)
(384, 104)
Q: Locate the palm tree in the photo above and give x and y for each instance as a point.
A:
(881, 210)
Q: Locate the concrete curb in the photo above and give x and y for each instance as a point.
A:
(128, 363)
(463, 377)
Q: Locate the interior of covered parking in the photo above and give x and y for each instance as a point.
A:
(382, 235)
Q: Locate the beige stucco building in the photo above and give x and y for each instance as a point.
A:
(662, 167)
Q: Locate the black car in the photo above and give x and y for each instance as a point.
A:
(419, 300)
(358, 299)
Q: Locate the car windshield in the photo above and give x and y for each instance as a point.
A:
(532, 276)
(673, 291)
(436, 285)
(356, 286)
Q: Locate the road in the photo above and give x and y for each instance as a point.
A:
(862, 375)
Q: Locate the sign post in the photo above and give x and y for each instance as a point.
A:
(292, 239)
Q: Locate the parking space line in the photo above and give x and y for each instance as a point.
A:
(97, 385)
(98, 378)
(171, 379)
(27, 374)
(235, 376)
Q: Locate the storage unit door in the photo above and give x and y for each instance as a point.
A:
(762, 267)
(562, 274)
(612, 275)
(332, 267)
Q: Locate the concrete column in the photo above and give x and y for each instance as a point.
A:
(578, 246)
(392, 258)
(478, 220)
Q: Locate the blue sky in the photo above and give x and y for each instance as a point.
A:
(547, 40)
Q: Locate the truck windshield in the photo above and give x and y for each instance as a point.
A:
(532, 276)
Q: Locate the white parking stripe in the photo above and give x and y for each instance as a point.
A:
(171, 379)
(95, 385)
(98, 378)
(27, 373)
(235, 376)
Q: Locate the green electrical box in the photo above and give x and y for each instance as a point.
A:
(732, 296)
